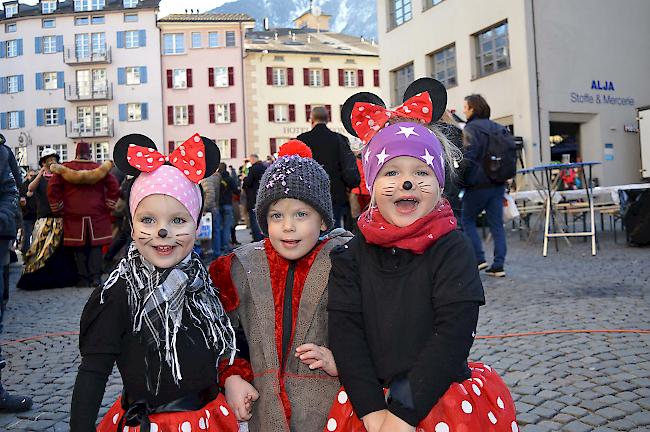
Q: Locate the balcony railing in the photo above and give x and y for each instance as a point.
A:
(72, 57)
(82, 130)
(103, 91)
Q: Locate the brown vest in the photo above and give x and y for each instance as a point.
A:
(310, 392)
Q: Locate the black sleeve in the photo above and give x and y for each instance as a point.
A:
(347, 335)
(104, 323)
(89, 390)
(349, 170)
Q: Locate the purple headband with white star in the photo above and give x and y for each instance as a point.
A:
(403, 139)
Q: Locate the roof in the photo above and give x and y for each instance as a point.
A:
(309, 41)
(309, 12)
(67, 7)
(207, 17)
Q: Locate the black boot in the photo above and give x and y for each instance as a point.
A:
(14, 403)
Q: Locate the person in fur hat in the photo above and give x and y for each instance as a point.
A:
(276, 288)
(84, 192)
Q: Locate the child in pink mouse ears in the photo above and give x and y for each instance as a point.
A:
(158, 315)
(404, 294)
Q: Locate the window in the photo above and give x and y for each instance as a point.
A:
(402, 77)
(49, 44)
(400, 12)
(134, 112)
(132, 75)
(222, 112)
(196, 40)
(180, 78)
(221, 77)
(13, 119)
(101, 152)
(81, 5)
(12, 48)
(11, 10)
(132, 39)
(10, 28)
(48, 23)
(130, 4)
(230, 39)
(213, 39)
(492, 50)
(173, 43)
(281, 113)
(48, 6)
(443, 66)
(97, 4)
(79, 21)
(50, 81)
(350, 78)
(315, 77)
(60, 149)
(12, 84)
(224, 147)
(431, 3)
(279, 76)
(100, 19)
(181, 115)
(131, 17)
(51, 117)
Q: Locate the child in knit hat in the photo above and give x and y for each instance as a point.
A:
(158, 315)
(405, 293)
(277, 290)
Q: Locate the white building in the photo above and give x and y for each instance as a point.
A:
(567, 76)
(78, 70)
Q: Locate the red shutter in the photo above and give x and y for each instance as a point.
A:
(290, 76)
(233, 113)
(212, 114)
(190, 114)
(231, 77)
(171, 145)
(269, 76)
(329, 112)
(305, 76)
(233, 148)
(211, 77)
(307, 112)
(292, 113)
(341, 79)
(170, 115)
(188, 73)
(170, 78)
(326, 77)
(375, 76)
(359, 77)
(273, 146)
(271, 113)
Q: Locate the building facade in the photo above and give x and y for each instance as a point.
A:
(78, 70)
(202, 79)
(289, 71)
(565, 76)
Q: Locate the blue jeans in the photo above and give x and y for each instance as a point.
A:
(255, 227)
(216, 233)
(491, 200)
(227, 219)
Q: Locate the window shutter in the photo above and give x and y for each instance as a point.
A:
(233, 148)
(144, 111)
(21, 119)
(170, 78)
(60, 82)
(143, 74)
(305, 76)
(120, 39)
(3, 85)
(326, 77)
(121, 76)
(292, 113)
(231, 77)
(59, 43)
(39, 81)
(269, 76)
(233, 113)
(3, 49)
(3, 120)
(21, 83)
(40, 117)
(212, 114)
(211, 77)
(38, 45)
(329, 112)
(170, 115)
(271, 113)
(142, 38)
(375, 77)
(341, 78)
(190, 114)
(307, 112)
(188, 74)
(170, 146)
(359, 77)
(20, 52)
(273, 146)
(290, 76)
(60, 116)
(122, 112)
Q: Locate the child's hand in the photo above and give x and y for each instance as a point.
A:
(240, 395)
(373, 421)
(392, 423)
(317, 357)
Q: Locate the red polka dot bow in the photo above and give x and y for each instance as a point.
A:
(189, 158)
(368, 119)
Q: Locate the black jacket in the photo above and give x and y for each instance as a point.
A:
(476, 139)
(252, 183)
(228, 187)
(8, 196)
(402, 321)
(29, 211)
(332, 151)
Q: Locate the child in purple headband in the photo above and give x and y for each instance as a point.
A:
(404, 294)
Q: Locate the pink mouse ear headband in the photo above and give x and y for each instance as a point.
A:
(176, 175)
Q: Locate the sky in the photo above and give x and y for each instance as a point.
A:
(173, 6)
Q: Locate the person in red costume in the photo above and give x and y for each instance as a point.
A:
(84, 192)
(276, 288)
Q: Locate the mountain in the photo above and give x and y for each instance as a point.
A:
(355, 17)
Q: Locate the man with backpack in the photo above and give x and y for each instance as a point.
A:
(489, 161)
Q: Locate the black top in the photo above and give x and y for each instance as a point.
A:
(252, 183)
(29, 210)
(43, 209)
(228, 187)
(476, 138)
(394, 321)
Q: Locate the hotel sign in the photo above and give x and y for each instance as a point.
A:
(606, 97)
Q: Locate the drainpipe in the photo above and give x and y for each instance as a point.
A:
(539, 113)
(243, 87)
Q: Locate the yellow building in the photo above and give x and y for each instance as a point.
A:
(289, 71)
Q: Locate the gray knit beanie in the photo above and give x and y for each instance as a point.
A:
(298, 178)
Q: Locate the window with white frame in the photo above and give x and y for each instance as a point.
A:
(492, 50)
(132, 75)
(132, 39)
(401, 78)
(173, 43)
(50, 81)
(224, 147)
(49, 44)
(48, 23)
(13, 118)
(11, 10)
(400, 12)
(97, 4)
(230, 39)
(213, 39)
(12, 84)
(12, 48)
(315, 77)
(181, 115)
(61, 150)
(51, 116)
(281, 113)
(81, 5)
(131, 17)
(134, 112)
(443, 66)
(431, 3)
(48, 6)
(10, 27)
(222, 113)
(130, 4)
(350, 78)
(81, 21)
(196, 39)
(221, 77)
(180, 78)
(99, 19)
(279, 76)
(101, 152)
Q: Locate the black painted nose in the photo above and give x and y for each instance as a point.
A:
(162, 233)
(407, 185)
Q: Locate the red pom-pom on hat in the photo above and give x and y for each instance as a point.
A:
(295, 147)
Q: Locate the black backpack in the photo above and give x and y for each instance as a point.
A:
(500, 158)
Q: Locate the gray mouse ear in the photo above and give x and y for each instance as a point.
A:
(122, 147)
(348, 106)
(437, 93)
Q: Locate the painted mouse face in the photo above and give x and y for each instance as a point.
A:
(163, 230)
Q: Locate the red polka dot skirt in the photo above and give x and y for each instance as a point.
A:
(480, 403)
(216, 416)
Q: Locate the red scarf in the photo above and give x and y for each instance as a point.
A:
(417, 237)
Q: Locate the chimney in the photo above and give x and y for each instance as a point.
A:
(266, 24)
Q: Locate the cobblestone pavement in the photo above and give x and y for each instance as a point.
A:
(560, 382)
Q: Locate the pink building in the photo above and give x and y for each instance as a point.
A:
(202, 79)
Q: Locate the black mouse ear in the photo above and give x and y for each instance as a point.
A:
(436, 91)
(122, 147)
(348, 106)
(212, 156)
